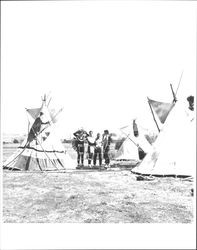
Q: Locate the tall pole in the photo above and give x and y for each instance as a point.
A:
(174, 96)
(179, 83)
(49, 102)
(153, 115)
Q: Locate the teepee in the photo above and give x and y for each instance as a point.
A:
(173, 153)
(129, 150)
(41, 150)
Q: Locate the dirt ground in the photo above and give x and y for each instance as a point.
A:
(94, 197)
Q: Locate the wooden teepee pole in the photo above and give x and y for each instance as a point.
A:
(174, 96)
(179, 83)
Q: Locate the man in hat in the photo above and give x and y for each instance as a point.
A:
(106, 141)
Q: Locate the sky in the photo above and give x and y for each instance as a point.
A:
(99, 60)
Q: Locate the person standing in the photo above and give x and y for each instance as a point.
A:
(98, 150)
(91, 146)
(36, 128)
(190, 100)
(80, 138)
(106, 141)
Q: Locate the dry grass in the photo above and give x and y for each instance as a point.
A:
(94, 197)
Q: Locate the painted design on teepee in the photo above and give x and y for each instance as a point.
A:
(154, 156)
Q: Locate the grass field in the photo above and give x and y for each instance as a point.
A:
(94, 197)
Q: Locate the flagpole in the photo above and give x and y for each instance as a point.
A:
(153, 115)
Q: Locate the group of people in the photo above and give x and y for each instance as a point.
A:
(98, 147)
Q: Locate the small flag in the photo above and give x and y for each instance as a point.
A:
(162, 109)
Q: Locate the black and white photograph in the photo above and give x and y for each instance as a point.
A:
(98, 124)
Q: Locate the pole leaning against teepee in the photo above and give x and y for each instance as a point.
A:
(153, 115)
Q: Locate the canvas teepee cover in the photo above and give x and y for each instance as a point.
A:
(45, 151)
(127, 151)
(173, 153)
(133, 140)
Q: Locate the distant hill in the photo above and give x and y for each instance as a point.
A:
(9, 138)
